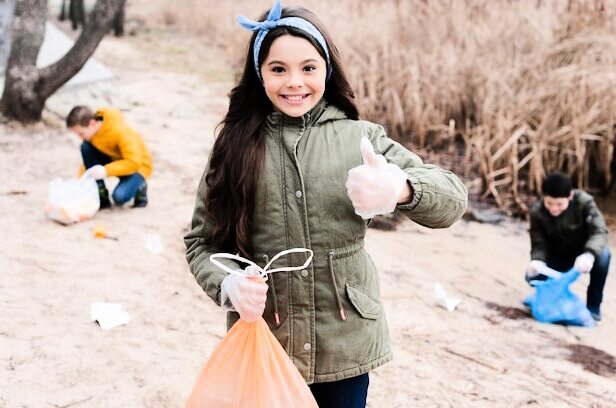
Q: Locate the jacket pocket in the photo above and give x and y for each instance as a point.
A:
(355, 275)
(367, 307)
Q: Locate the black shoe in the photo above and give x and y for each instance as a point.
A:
(141, 198)
(595, 312)
(103, 195)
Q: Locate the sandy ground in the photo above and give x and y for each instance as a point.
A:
(488, 353)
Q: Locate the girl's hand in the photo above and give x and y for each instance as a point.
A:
(376, 186)
(247, 294)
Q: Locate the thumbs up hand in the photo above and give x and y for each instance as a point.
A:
(368, 154)
(374, 187)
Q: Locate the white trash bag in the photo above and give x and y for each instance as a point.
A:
(72, 200)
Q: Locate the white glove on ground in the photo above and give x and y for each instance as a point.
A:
(535, 268)
(247, 294)
(584, 262)
(374, 187)
(97, 172)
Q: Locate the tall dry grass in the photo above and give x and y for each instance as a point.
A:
(521, 87)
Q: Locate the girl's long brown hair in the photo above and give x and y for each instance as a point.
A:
(239, 150)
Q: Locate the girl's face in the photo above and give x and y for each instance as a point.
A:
(293, 75)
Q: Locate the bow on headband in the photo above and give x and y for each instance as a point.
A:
(273, 20)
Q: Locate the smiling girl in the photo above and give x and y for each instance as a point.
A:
(287, 171)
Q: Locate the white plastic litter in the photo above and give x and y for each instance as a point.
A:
(72, 200)
(108, 315)
(154, 244)
(441, 298)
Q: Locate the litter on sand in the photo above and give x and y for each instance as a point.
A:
(442, 300)
(154, 244)
(108, 315)
(100, 231)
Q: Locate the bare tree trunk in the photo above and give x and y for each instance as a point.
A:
(27, 88)
(77, 13)
(63, 11)
(118, 23)
(20, 99)
(77, 16)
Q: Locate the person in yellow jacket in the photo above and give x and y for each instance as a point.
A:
(112, 148)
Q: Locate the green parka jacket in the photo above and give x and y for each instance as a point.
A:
(301, 201)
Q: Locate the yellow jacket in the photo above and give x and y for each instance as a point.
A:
(122, 144)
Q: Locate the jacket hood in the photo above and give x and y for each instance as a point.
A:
(110, 116)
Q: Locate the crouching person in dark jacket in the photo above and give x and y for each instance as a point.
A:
(566, 230)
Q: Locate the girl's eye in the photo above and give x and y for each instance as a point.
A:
(278, 70)
(309, 68)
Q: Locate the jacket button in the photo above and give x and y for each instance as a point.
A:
(298, 194)
(304, 273)
(307, 346)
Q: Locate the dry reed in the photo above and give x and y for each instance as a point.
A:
(524, 86)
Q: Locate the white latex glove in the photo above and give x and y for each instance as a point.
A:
(535, 268)
(584, 262)
(97, 172)
(247, 294)
(374, 187)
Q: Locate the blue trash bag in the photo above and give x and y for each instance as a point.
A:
(553, 301)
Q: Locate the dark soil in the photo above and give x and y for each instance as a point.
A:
(513, 313)
(591, 359)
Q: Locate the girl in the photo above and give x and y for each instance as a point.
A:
(287, 171)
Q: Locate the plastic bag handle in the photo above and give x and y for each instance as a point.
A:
(547, 271)
(262, 271)
(570, 276)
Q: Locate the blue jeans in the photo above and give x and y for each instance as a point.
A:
(348, 393)
(598, 275)
(127, 187)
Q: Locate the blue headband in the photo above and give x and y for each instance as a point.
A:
(273, 20)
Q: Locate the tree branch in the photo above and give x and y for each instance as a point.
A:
(55, 75)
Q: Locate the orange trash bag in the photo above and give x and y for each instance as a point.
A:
(249, 368)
